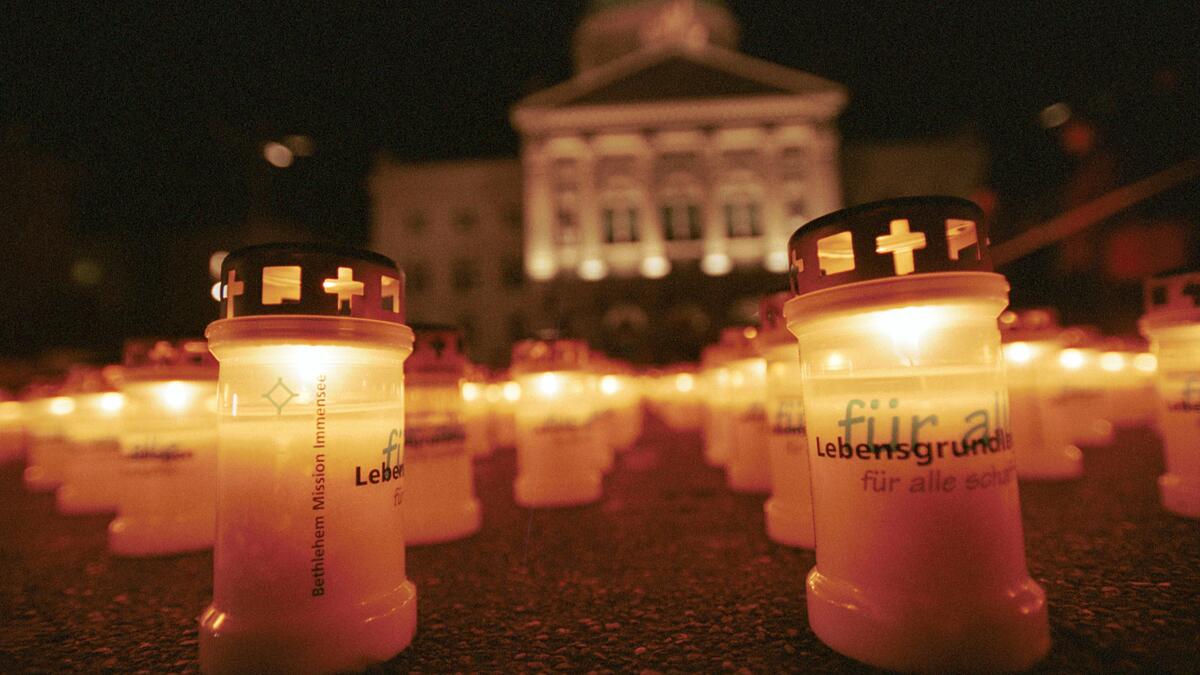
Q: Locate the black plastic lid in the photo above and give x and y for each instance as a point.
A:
(311, 280)
(890, 238)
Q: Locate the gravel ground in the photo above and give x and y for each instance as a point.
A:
(670, 572)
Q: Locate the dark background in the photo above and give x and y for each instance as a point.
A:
(130, 137)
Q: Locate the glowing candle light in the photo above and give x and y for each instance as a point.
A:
(748, 468)
(475, 413)
(1081, 401)
(788, 512)
(439, 484)
(168, 467)
(717, 424)
(309, 561)
(619, 403)
(920, 552)
(1042, 442)
(12, 429)
(91, 480)
(557, 437)
(1172, 324)
(48, 450)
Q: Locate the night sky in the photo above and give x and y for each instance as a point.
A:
(156, 115)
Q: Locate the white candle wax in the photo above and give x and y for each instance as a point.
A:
(309, 562)
(789, 511)
(1042, 440)
(167, 468)
(439, 495)
(718, 425)
(556, 441)
(475, 419)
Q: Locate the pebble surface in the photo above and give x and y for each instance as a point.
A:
(671, 572)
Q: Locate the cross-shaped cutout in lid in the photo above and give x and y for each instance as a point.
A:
(231, 290)
(344, 286)
(901, 243)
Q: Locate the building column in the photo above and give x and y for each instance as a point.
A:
(715, 260)
(541, 260)
(654, 259)
(775, 234)
(592, 265)
(825, 176)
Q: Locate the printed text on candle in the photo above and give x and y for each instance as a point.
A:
(984, 434)
(318, 492)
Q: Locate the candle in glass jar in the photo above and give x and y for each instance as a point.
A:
(920, 553)
(439, 484)
(168, 444)
(1042, 440)
(556, 432)
(788, 511)
(91, 480)
(309, 560)
(1172, 325)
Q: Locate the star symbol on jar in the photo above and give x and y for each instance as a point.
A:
(279, 395)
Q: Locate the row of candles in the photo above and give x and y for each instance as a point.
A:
(887, 404)
(140, 439)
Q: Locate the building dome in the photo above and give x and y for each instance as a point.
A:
(612, 28)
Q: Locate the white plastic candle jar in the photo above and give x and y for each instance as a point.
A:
(678, 402)
(91, 482)
(619, 403)
(1172, 324)
(502, 396)
(556, 431)
(718, 426)
(1081, 400)
(439, 484)
(920, 553)
(475, 413)
(309, 563)
(789, 510)
(168, 467)
(1042, 440)
(48, 449)
(748, 467)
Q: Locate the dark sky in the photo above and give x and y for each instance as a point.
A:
(174, 94)
(158, 111)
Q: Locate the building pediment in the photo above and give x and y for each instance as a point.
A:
(653, 77)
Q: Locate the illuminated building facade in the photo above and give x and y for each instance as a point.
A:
(662, 180)
(679, 149)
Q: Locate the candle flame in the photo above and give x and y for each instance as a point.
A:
(1112, 361)
(470, 392)
(111, 403)
(1018, 352)
(610, 385)
(62, 405)
(511, 392)
(1145, 362)
(684, 383)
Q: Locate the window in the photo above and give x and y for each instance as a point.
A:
(620, 224)
(681, 221)
(464, 275)
(416, 277)
(465, 219)
(512, 272)
(742, 218)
